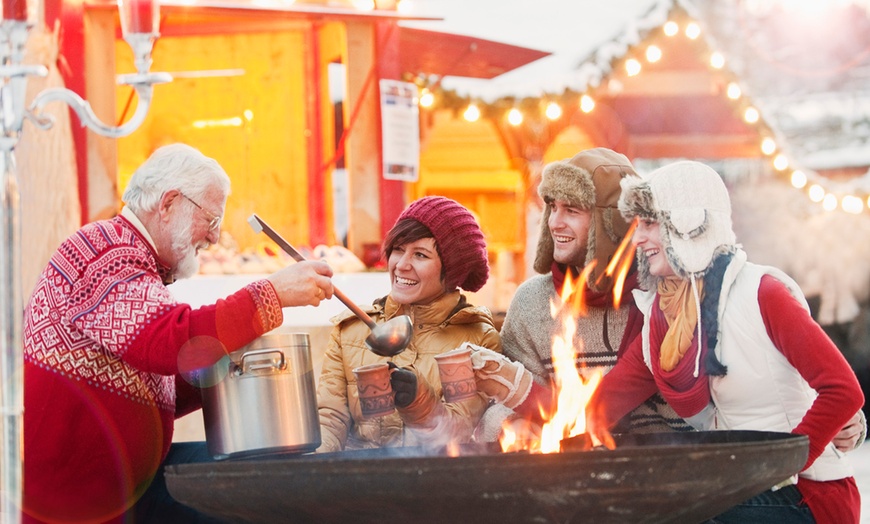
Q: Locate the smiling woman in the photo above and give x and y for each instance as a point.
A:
(435, 248)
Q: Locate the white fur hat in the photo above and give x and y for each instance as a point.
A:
(691, 203)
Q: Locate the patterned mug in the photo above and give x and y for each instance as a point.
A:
(376, 397)
(457, 376)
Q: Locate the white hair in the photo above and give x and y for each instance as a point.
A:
(176, 166)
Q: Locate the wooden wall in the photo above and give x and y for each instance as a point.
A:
(256, 124)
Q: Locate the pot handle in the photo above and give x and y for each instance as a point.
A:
(253, 367)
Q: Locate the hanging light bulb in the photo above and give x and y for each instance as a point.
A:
(768, 146)
(830, 202)
(364, 5)
(653, 54)
(798, 179)
(553, 111)
(734, 91)
(587, 104)
(780, 163)
(671, 28)
(693, 30)
(817, 193)
(632, 67)
(472, 112)
(427, 98)
(852, 204)
(751, 115)
(717, 60)
(515, 117)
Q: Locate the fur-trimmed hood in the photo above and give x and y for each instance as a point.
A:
(589, 180)
(690, 202)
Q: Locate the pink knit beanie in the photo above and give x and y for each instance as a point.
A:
(459, 240)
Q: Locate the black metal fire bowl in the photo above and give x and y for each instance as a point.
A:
(673, 477)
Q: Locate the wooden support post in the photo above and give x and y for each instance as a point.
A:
(102, 196)
(363, 145)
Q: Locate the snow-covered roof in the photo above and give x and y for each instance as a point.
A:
(824, 128)
(819, 131)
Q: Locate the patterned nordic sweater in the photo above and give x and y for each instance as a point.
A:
(103, 343)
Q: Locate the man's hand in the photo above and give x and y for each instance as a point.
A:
(499, 378)
(303, 283)
(854, 430)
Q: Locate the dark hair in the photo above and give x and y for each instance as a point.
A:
(710, 311)
(405, 231)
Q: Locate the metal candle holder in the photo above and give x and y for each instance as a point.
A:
(139, 25)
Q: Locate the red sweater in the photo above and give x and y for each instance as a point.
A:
(816, 358)
(103, 344)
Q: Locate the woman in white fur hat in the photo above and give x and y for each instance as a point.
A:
(730, 345)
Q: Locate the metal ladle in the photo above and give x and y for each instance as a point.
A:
(387, 339)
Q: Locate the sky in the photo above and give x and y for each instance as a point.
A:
(568, 29)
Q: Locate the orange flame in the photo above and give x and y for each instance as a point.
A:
(517, 436)
(621, 263)
(572, 387)
(572, 293)
(453, 449)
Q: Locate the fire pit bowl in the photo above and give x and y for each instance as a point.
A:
(673, 477)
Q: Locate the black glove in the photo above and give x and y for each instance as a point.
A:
(404, 383)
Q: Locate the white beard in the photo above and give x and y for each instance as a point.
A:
(183, 250)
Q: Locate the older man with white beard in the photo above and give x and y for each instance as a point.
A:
(106, 346)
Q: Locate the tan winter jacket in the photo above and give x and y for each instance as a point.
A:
(438, 327)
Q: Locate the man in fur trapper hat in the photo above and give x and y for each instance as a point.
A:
(581, 225)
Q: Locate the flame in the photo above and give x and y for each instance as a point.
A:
(453, 449)
(621, 263)
(516, 436)
(571, 298)
(572, 387)
(572, 391)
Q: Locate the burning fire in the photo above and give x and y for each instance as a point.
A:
(621, 263)
(572, 387)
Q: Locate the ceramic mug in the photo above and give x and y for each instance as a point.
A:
(457, 376)
(376, 396)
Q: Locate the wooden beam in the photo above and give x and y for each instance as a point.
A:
(363, 144)
(671, 83)
(103, 200)
(695, 146)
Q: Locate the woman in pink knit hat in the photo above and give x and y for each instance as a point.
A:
(435, 250)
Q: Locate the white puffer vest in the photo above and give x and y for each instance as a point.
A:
(761, 390)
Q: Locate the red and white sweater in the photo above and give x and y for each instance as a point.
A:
(103, 344)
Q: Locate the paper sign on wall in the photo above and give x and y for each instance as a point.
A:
(400, 130)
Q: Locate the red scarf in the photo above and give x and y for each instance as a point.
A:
(685, 393)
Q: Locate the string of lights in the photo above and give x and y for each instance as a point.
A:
(637, 56)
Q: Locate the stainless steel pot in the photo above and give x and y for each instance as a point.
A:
(266, 401)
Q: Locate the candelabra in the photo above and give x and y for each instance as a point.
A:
(139, 26)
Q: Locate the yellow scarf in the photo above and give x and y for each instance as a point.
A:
(677, 302)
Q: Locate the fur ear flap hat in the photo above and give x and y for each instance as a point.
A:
(590, 180)
(691, 204)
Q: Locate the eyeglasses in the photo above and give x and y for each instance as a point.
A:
(214, 220)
